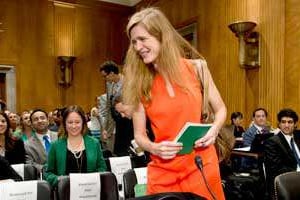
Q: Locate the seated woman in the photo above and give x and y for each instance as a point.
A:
(74, 151)
(25, 132)
(11, 147)
(236, 122)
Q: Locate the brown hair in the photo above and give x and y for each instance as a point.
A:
(77, 109)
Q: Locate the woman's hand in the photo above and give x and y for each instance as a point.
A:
(208, 139)
(166, 149)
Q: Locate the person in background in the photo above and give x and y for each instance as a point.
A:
(124, 128)
(94, 124)
(259, 126)
(55, 120)
(38, 146)
(281, 152)
(114, 80)
(161, 84)
(236, 122)
(14, 121)
(74, 151)
(11, 147)
(26, 131)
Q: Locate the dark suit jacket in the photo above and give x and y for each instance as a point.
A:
(278, 157)
(17, 154)
(7, 172)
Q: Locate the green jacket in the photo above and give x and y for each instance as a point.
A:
(56, 162)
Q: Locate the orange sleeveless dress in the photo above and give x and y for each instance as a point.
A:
(168, 115)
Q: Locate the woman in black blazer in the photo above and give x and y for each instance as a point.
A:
(11, 147)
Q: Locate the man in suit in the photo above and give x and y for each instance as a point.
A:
(282, 150)
(114, 81)
(38, 145)
(259, 126)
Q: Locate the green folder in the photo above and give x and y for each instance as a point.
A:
(189, 133)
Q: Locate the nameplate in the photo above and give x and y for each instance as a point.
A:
(119, 165)
(18, 190)
(85, 186)
(141, 175)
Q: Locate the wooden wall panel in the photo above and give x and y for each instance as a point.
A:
(33, 28)
(292, 58)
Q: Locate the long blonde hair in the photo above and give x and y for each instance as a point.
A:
(139, 76)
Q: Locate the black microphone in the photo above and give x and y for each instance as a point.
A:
(199, 164)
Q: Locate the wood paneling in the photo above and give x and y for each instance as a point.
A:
(38, 31)
(292, 58)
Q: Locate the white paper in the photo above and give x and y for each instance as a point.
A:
(141, 175)
(119, 165)
(242, 149)
(85, 186)
(19, 168)
(24, 190)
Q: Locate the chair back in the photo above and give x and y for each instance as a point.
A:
(26, 171)
(129, 181)
(287, 186)
(30, 172)
(109, 187)
(44, 190)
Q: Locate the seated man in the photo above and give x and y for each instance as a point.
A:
(259, 126)
(282, 150)
(38, 145)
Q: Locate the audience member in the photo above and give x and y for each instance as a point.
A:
(13, 121)
(94, 124)
(282, 150)
(259, 126)
(37, 147)
(74, 151)
(56, 116)
(164, 86)
(26, 131)
(236, 122)
(11, 147)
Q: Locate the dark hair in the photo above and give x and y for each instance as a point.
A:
(9, 140)
(109, 66)
(65, 114)
(287, 112)
(235, 115)
(37, 110)
(258, 109)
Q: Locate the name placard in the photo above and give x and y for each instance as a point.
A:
(119, 165)
(85, 186)
(141, 175)
(25, 190)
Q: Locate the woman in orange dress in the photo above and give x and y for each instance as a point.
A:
(162, 84)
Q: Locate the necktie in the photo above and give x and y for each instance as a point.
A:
(294, 151)
(47, 143)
